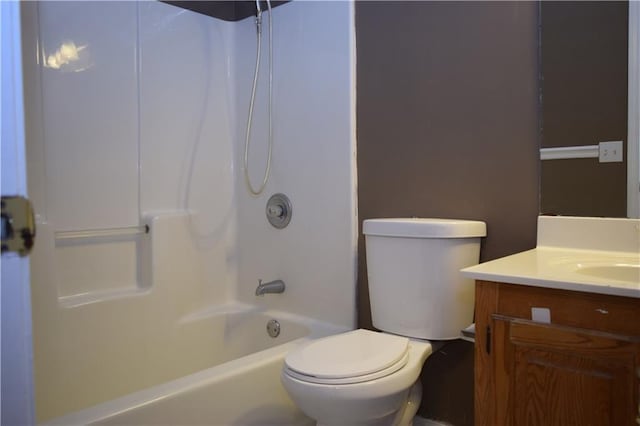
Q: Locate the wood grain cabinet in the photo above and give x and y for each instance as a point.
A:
(581, 368)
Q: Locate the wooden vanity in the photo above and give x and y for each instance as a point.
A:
(580, 368)
(558, 327)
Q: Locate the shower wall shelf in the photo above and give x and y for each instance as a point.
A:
(102, 233)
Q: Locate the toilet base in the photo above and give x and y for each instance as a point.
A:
(412, 405)
(402, 417)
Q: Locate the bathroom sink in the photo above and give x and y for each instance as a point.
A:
(604, 267)
(616, 271)
(593, 255)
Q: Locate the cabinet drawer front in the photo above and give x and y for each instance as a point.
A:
(583, 310)
(566, 338)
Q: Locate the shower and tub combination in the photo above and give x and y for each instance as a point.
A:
(167, 287)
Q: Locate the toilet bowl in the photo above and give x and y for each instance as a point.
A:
(357, 378)
(417, 294)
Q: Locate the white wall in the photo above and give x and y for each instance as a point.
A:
(313, 161)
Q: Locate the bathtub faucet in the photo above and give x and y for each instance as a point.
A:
(276, 286)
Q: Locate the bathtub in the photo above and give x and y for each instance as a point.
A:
(242, 389)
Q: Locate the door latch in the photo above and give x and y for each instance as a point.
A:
(18, 225)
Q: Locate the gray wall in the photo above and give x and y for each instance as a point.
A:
(584, 51)
(447, 126)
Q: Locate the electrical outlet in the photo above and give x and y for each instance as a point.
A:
(611, 152)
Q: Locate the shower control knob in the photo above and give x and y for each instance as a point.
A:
(275, 211)
(279, 210)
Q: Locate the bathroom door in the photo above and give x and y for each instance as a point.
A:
(15, 320)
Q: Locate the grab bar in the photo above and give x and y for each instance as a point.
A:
(102, 233)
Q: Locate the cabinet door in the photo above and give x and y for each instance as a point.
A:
(553, 375)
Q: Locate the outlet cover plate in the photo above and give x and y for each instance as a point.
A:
(611, 152)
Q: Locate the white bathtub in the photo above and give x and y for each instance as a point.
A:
(243, 389)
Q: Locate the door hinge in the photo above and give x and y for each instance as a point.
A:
(18, 225)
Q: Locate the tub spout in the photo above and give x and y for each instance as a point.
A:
(276, 286)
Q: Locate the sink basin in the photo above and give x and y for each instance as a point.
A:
(617, 272)
(605, 267)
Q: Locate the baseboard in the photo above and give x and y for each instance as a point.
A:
(421, 421)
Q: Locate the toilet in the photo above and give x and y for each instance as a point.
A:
(417, 295)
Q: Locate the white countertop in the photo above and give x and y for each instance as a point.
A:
(566, 269)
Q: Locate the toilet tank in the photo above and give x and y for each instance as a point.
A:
(413, 266)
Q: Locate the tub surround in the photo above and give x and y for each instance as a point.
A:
(113, 316)
(313, 162)
(594, 255)
(107, 148)
(132, 337)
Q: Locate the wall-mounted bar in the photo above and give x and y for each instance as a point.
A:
(567, 152)
(102, 233)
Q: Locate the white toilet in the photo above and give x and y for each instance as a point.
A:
(416, 290)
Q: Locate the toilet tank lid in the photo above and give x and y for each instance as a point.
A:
(424, 228)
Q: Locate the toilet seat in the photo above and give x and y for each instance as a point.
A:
(354, 357)
(349, 380)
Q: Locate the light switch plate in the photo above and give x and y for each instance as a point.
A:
(611, 152)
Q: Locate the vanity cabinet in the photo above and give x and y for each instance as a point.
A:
(579, 367)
